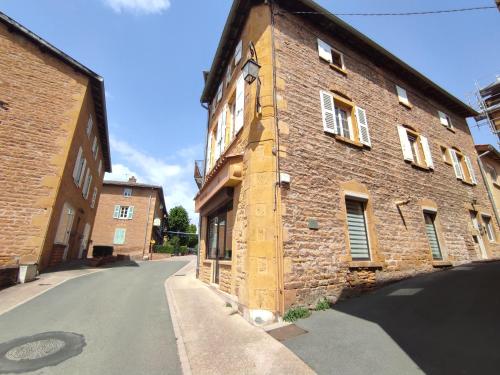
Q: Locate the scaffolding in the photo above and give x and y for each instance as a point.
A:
(487, 100)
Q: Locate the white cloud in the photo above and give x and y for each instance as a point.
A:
(176, 175)
(139, 6)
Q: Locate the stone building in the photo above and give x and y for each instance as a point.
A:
(490, 164)
(54, 150)
(129, 216)
(339, 168)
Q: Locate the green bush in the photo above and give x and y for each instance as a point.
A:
(164, 249)
(322, 305)
(296, 313)
(183, 250)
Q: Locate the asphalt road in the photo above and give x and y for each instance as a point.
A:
(122, 314)
(444, 323)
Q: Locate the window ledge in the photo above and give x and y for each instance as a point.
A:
(421, 167)
(466, 182)
(450, 128)
(349, 141)
(225, 262)
(441, 263)
(338, 69)
(496, 184)
(365, 264)
(406, 105)
(448, 162)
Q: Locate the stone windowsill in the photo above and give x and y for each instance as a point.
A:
(406, 105)
(349, 141)
(450, 128)
(420, 166)
(365, 264)
(338, 69)
(225, 262)
(441, 263)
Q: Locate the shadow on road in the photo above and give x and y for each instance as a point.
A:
(447, 322)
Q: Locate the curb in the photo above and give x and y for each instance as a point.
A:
(174, 313)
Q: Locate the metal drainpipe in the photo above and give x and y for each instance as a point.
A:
(488, 190)
(147, 225)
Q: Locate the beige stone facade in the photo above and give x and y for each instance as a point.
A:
(287, 192)
(130, 215)
(52, 118)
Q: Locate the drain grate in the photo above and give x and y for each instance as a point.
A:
(32, 353)
(287, 332)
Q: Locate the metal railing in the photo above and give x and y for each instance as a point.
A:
(199, 172)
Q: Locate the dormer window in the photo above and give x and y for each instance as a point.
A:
(331, 55)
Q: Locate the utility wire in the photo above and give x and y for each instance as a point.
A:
(405, 14)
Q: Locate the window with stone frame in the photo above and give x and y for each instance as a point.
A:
(415, 147)
(462, 165)
(490, 231)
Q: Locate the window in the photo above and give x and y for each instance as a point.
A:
(94, 198)
(100, 167)
(430, 228)
(415, 148)
(90, 124)
(402, 96)
(220, 92)
(86, 185)
(218, 237)
(331, 55)
(65, 225)
(462, 166)
(357, 227)
(123, 212)
(119, 238)
(445, 120)
(238, 53)
(95, 148)
(79, 167)
(490, 232)
(493, 173)
(445, 154)
(127, 192)
(342, 118)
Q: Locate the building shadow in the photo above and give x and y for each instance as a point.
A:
(447, 322)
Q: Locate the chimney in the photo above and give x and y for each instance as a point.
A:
(132, 180)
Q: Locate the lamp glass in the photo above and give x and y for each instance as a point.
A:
(251, 71)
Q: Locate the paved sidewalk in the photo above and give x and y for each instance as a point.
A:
(18, 294)
(213, 339)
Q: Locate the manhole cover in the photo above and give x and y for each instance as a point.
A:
(35, 352)
(287, 332)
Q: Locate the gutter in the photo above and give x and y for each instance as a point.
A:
(488, 189)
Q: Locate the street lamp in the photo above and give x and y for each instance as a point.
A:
(251, 71)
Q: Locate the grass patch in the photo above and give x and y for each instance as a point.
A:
(322, 305)
(296, 313)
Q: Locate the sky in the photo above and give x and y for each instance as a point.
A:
(151, 54)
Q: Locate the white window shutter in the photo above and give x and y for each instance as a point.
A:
(229, 74)
(456, 165)
(218, 150)
(82, 173)
(471, 170)
(328, 112)
(76, 170)
(209, 153)
(238, 53)
(443, 119)
(325, 51)
(86, 183)
(100, 167)
(223, 130)
(405, 143)
(116, 214)
(402, 96)
(240, 104)
(130, 212)
(219, 92)
(427, 152)
(364, 133)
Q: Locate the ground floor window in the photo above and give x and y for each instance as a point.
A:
(358, 233)
(489, 228)
(119, 236)
(218, 239)
(430, 227)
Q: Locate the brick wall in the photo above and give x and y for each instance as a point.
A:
(47, 101)
(137, 236)
(317, 262)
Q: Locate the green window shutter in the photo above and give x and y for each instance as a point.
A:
(116, 214)
(119, 236)
(358, 235)
(432, 236)
(130, 212)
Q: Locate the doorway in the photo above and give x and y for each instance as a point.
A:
(217, 231)
(63, 233)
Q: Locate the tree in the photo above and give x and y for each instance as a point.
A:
(192, 240)
(178, 221)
